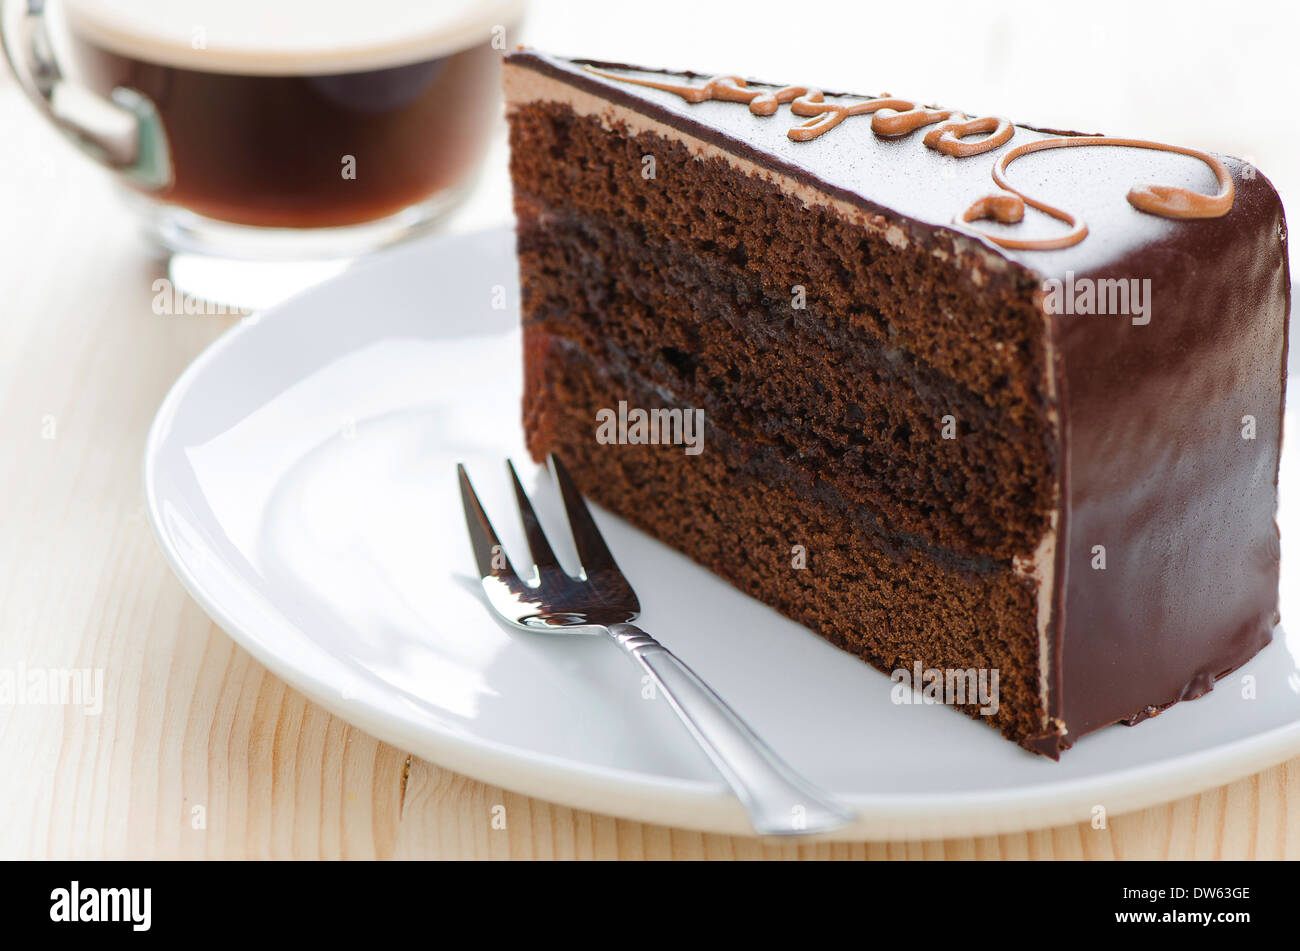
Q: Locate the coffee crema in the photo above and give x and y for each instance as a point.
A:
(287, 37)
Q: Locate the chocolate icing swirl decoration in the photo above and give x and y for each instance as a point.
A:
(1167, 201)
(889, 117)
(892, 117)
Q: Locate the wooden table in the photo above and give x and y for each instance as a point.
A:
(189, 719)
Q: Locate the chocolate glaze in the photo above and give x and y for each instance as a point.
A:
(1155, 466)
(889, 116)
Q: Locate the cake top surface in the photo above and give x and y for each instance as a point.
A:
(1085, 203)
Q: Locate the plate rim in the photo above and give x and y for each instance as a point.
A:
(676, 802)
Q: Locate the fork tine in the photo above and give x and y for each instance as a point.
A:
(491, 557)
(592, 551)
(543, 557)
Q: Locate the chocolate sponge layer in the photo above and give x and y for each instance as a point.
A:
(847, 423)
(744, 511)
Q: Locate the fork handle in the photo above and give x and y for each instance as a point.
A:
(779, 801)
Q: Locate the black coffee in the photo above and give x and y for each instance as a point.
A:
(313, 150)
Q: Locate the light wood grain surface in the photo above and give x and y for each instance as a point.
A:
(190, 720)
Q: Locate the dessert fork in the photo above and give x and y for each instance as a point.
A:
(600, 601)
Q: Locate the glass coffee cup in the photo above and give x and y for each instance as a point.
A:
(265, 142)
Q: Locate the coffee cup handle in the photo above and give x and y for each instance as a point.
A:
(123, 133)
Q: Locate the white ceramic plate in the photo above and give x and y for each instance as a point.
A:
(300, 477)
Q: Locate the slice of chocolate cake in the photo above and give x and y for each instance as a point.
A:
(957, 394)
